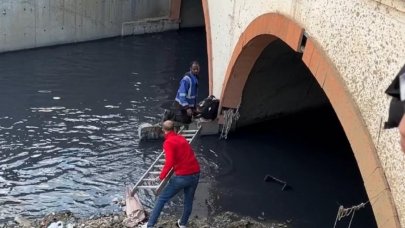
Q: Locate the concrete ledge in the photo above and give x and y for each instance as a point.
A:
(208, 127)
(149, 25)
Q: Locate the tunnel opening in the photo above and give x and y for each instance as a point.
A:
(279, 84)
(288, 129)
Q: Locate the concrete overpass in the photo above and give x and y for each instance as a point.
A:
(353, 49)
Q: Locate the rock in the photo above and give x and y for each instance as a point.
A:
(58, 224)
(147, 131)
(63, 216)
(116, 200)
(226, 219)
(23, 221)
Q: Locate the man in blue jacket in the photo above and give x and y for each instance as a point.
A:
(186, 97)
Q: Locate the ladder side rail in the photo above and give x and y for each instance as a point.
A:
(164, 182)
(197, 133)
(147, 172)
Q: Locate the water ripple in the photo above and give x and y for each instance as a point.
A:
(68, 134)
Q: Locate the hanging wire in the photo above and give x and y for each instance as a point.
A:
(345, 212)
(230, 116)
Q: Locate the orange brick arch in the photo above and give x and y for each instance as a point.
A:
(259, 34)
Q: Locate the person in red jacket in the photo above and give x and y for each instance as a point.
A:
(180, 157)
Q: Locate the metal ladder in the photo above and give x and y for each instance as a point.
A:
(149, 178)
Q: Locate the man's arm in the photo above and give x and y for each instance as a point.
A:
(169, 159)
(182, 92)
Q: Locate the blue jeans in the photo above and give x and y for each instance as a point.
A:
(176, 184)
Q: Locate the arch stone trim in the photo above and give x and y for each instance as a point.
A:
(369, 164)
(209, 44)
(267, 28)
(271, 26)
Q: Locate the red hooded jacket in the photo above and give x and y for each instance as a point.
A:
(178, 155)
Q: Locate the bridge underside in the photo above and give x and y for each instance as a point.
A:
(279, 84)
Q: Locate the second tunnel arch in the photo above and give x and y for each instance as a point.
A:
(272, 26)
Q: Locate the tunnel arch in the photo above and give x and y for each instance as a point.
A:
(272, 26)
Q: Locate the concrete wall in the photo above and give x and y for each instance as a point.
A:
(191, 14)
(36, 23)
(363, 41)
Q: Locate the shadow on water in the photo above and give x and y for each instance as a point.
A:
(309, 151)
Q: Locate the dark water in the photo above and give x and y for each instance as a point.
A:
(69, 118)
(68, 137)
(309, 152)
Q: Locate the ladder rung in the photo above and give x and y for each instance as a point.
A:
(148, 186)
(154, 172)
(188, 136)
(188, 131)
(149, 180)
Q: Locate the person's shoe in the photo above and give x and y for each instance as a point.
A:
(178, 224)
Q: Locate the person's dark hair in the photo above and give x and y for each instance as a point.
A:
(194, 62)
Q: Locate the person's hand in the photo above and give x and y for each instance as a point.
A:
(189, 112)
(157, 179)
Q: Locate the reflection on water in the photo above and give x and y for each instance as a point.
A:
(69, 116)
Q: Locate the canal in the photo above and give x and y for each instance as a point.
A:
(68, 137)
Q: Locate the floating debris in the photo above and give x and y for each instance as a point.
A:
(269, 178)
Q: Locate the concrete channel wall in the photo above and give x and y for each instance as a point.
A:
(191, 14)
(35, 23)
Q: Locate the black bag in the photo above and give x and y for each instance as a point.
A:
(208, 108)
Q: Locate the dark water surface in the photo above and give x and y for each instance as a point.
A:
(309, 152)
(69, 118)
(68, 137)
